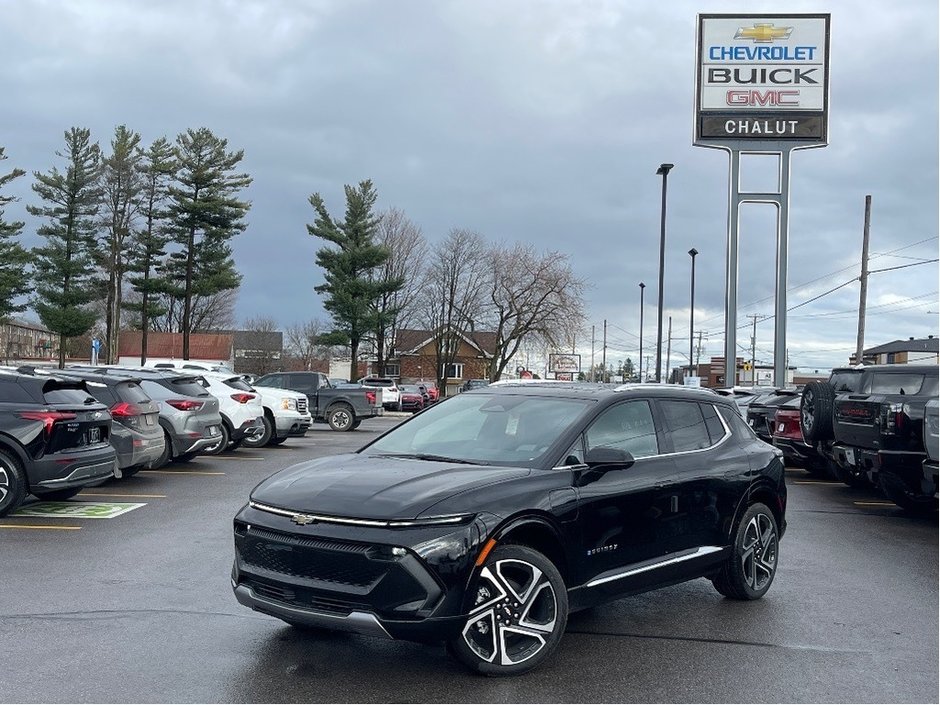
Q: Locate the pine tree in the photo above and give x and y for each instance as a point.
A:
(121, 184)
(14, 259)
(65, 276)
(148, 247)
(350, 290)
(206, 215)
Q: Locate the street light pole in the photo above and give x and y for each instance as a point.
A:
(692, 254)
(664, 171)
(640, 361)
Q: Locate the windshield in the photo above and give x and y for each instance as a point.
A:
(489, 429)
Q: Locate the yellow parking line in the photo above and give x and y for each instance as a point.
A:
(39, 526)
(875, 504)
(180, 472)
(108, 494)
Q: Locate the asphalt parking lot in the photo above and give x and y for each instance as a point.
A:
(139, 608)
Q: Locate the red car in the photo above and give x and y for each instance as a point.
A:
(432, 392)
(788, 437)
(411, 397)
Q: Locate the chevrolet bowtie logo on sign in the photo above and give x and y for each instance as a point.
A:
(303, 519)
(763, 32)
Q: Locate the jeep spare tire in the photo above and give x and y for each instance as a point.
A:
(816, 411)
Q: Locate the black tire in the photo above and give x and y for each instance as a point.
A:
(275, 441)
(131, 471)
(58, 495)
(341, 417)
(222, 444)
(752, 565)
(895, 490)
(12, 483)
(357, 424)
(513, 578)
(816, 407)
(261, 439)
(235, 445)
(167, 454)
(855, 480)
(186, 457)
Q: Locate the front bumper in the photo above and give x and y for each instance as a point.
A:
(292, 424)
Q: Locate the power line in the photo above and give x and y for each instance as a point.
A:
(903, 266)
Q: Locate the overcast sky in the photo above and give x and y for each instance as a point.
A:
(541, 122)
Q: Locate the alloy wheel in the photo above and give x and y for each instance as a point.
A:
(759, 554)
(514, 613)
(808, 409)
(341, 419)
(4, 483)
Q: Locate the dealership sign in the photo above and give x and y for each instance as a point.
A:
(564, 362)
(762, 77)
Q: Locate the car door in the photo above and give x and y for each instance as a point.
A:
(712, 471)
(622, 511)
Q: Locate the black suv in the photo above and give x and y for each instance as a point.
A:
(483, 521)
(54, 439)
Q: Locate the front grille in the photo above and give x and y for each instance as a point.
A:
(311, 559)
(302, 405)
(303, 597)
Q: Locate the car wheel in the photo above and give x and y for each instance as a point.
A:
(357, 423)
(166, 454)
(275, 441)
(895, 490)
(816, 411)
(752, 565)
(341, 417)
(261, 437)
(186, 457)
(222, 444)
(59, 495)
(856, 480)
(12, 484)
(518, 615)
(235, 445)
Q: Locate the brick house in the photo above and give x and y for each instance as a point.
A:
(415, 358)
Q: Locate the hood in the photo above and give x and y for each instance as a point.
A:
(369, 487)
(290, 393)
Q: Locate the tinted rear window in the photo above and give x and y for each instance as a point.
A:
(188, 386)
(686, 425)
(892, 383)
(737, 425)
(239, 384)
(65, 396)
(846, 381)
(102, 393)
(11, 391)
(716, 431)
(131, 392)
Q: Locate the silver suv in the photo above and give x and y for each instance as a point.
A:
(189, 415)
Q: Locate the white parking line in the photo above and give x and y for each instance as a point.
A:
(179, 472)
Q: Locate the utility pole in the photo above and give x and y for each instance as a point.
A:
(604, 354)
(754, 351)
(592, 352)
(698, 352)
(863, 289)
(669, 349)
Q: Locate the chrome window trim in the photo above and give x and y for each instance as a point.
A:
(700, 551)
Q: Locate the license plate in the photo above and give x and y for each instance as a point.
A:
(779, 428)
(850, 456)
(753, 423)
(148, 420)
(213, 430)
(94, 435)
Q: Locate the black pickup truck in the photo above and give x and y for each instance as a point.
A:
(342, 408)
(878, 429)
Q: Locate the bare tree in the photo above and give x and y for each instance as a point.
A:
(261, 344)
(532, 298)
(212, 312)
(395, 308)
(451, 294)
(303, 342)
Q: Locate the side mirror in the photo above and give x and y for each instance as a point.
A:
(607, 458)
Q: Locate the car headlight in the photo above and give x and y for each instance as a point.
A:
(289, 404)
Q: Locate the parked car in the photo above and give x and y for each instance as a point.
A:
(743, 396)
(879, 431)
(788, 437)
(55, 438)
(430, 391)
(473, 384)
(391, 397)
(136, 433)
(338, 381)
(286, 414)
(762, 411)
(240, 407)
(488, 518)
(411, 398)
(343, 409)
(816, 413)
(189, 415)
(932, 446)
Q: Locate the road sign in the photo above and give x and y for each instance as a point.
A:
(564, 362)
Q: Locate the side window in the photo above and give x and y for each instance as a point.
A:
(574, 455)
(716, 430)
(686, 425)
(272, 381)
(10, 391)
(628, 426)
(738, 427)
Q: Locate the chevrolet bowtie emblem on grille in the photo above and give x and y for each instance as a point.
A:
(303, 519)
(763, 32)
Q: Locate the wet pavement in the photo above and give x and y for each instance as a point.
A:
(139, 608)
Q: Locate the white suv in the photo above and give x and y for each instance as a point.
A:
(391, 396)
(240, 406)
(286, 415)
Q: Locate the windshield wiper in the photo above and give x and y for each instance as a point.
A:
(431, 457)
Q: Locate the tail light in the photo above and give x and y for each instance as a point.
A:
(185, 404)
(243, 397)
(125, 410)
(892, 417)
(370, 395)
(48, 418)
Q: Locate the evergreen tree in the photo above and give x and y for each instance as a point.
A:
(65, 267)
(14, 259)
(121, 183)
(206, 215)
(157, 169)
(350, 290)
